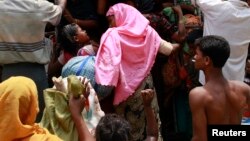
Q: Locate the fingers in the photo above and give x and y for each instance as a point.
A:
(147, 93)
(87, 85)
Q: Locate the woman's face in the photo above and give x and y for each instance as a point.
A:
(81, 35)
(111, 20)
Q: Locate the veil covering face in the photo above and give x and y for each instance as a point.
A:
(127, 52)
(18, 110)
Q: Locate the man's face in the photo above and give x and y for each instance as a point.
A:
(199, 59)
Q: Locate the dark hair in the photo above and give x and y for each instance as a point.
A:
(215, 47)
(67, 39)
(112, 127)
(69, 31)
(193, 35)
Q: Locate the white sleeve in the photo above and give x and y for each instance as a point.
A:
(51, 13)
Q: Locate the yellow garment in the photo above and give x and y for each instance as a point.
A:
(18, 111)
(57, 117)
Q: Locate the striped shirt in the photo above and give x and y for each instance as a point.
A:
(22, 28)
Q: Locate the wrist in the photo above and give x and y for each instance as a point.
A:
(182, 20)
(76, 116)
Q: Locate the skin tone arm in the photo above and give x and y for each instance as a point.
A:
(76, 106)
(85, 24)
(180, 35)
(101, 7)
(61, 3)
(199, 119)
(152, 126)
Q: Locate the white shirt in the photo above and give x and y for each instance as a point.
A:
(231, 20)
(22, 28)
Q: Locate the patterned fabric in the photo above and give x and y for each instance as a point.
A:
(22, 25)
(73, 65)
(88, 70)
(162, 24)
(18, 110)
(133, 111)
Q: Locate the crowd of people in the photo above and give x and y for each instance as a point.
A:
(157, 69)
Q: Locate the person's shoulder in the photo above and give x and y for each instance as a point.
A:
(198, 97)
(198, 90)
(198, 93)
(239, 86)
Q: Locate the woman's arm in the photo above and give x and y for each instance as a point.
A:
(180, 35)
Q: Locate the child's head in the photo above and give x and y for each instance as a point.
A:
(75, 34)
(111, 127)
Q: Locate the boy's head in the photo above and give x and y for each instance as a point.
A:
(112, 127)
(215, 47)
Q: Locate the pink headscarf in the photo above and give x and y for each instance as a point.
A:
(127, 52)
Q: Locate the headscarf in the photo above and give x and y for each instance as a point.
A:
(18, 110)
(127, 52)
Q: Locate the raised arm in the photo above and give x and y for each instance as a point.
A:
(76, 106)
(180, 35)
(152, 126)
(199, 119)
(61, 3)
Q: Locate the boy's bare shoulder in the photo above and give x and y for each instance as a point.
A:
(198, 95)
(199, 90)
(239, 86)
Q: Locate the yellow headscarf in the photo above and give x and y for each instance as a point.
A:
(18, 111)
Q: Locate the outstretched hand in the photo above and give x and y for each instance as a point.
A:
(147, 96)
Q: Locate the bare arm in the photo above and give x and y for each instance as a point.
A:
(180, 35)
(152, 126)
(85, 24)
(199, 119)
(61, 3)
(76, 106)
(101, 7)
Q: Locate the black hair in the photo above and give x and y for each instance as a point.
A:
(193, 35)
(112, 127)
(69, 31)
(216, 48)
(67, 39)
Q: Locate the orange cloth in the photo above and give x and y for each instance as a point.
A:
(18, 111)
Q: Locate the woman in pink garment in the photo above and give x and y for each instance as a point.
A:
(124, 59)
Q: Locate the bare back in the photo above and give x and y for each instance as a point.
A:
(217, 102)
(224, 103)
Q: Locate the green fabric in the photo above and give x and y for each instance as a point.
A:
(168, 11)
(56, 117)
(186, 48)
